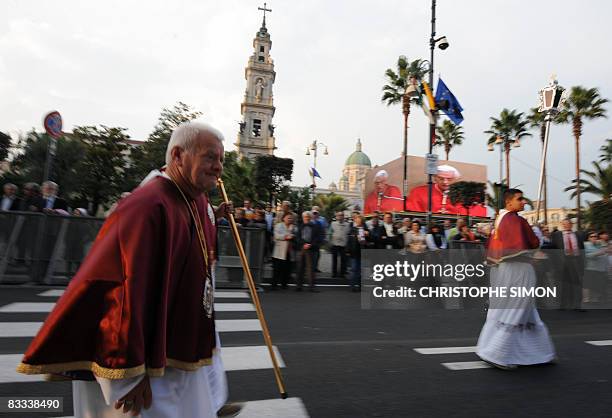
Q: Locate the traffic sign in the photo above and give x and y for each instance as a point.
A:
(53, 124)
(431, 164)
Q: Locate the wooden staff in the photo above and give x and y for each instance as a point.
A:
(254, 296)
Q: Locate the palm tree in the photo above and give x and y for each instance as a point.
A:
(330, 204)
(509, 128)
(449, 135)
(581, 104)
(606, 152)
(408, 72)
(599, 182)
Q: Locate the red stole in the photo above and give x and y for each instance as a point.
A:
(511, 237)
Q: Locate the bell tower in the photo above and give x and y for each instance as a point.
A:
(256, 134)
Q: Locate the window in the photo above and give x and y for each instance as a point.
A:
(261, 58)
(256, 127)
(262, 49)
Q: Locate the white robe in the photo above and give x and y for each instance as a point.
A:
(177, 394)
(516, 335)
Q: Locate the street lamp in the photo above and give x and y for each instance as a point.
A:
(499, 140)
(314, 147)
(442, 43)
(551, 98)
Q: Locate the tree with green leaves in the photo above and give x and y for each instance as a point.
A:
(606, 152)
(394, 92)
(582, 104)
(152, 153)
(238, 178)
(449, 135)
(5, 146)
(599, 215)
(271, 173)
(301, 200)
(29, 164)
(597, 182)
(101, 171)
(495, 197)
(329, 204)
(509, 128)
(467, 193)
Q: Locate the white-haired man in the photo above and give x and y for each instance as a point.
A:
(440, 201)
(135, 328)
(385, 197)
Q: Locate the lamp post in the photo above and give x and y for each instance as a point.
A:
(491, 147)
(314, 147)
(442, 43)
(551, 98)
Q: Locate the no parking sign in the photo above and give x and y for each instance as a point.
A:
(53, 124)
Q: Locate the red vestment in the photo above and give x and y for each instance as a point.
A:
(418, 197)
(511, 237)
(391, 200)
(135, 305)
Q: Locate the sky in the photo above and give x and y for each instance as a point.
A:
(119, 63)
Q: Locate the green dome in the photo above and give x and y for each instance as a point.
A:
(358, 157)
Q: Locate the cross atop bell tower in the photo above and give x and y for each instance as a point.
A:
(256, 134)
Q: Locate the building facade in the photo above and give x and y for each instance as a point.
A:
(354, 172)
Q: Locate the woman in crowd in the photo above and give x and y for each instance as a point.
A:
(284, 252)
(435, 239)
(414, 240)
(465, 234)
(596, 267)
(358, 239)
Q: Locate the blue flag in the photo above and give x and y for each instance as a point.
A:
(314, 172)
(448, 103)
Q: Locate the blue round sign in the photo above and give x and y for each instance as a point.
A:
(53, 124)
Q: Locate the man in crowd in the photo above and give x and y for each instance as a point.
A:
(135, 328)
(391, 238)
(309, 237)
(10, 201)
(338, 237)
(569, 253)
(50, 199)
(320, 220)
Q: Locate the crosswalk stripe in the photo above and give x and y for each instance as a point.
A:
(48, 306)
(28, 307)
(234, 325)
(230, 294)
(29, 329)
(275, 408)
(446, 350)
(234, 359)
(466, 365)
(600, 343)
(52, 292)
(249, 358)
(19, 329)
(234, 307)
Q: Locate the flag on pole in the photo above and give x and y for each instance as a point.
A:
(314, 173)
(448, 103)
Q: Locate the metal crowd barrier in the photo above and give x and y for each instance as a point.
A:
(48, 249)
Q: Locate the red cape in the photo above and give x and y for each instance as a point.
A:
(135, 305)
(511, 237)
(392, 201)
(417, 202)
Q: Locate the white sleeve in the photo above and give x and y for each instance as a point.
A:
(115, 389)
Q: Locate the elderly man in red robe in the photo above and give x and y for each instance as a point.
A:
(385, 197)
(513, 333)
(135, 328)
(440, 201)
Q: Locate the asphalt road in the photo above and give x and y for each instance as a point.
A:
(342, 361)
